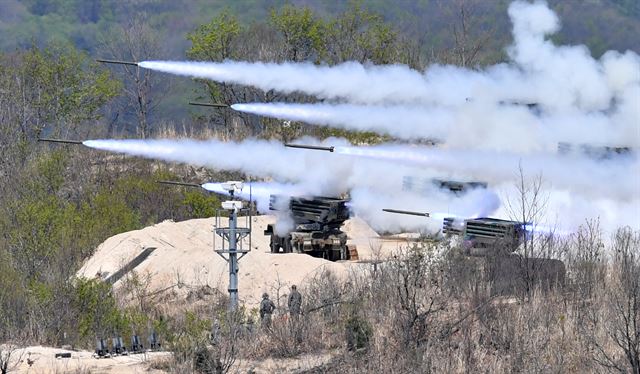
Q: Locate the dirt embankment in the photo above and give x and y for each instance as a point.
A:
(184, 259)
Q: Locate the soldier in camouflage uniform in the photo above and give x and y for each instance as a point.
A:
(295, 302)
(266, 309)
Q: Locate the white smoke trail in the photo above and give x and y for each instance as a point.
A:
(273, 160)
(580, 99)
(474, 125)
(320, 81)
(402, 121)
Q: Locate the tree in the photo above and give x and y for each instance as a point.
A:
(59, 88)
(50, 91)
(291, 34)
(535, 262)
(10, 357)
(143, 89)
(221, 39)
(305, 36)
(360, 35)
(469, 39)
(623, 319)
(216, 40)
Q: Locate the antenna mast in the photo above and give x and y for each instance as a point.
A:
(232, 237)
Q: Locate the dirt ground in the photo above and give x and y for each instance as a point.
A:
(44, 362)
(184, 258)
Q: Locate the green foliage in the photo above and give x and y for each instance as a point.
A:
(58, 87)
(358, 332)
(65, 84)
(12, 297)
(200, 205)
(354, 137)
(106, 214)
(214, 41)
(54, 220)
(51, 172)
(359, 34)
(304, 33)
(97, 309)
(192, 337)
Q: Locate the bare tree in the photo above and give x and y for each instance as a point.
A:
(469, 39)
(144, 90)
(623, 319)
(10, 357)
(586, 260)
(536, 262)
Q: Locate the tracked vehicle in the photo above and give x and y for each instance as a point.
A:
(486, 236)
(490, 244)
(317, 222)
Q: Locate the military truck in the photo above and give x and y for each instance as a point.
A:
(317, 222)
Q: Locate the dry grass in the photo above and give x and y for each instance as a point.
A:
(420, 313)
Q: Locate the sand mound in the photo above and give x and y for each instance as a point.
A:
(184, 256)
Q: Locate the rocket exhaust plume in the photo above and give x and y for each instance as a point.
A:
(310, 173)
(580, 99)
(117, 62)
(260, 192)
(216, 154)
(370, 179)
(321, 81)
(405, 122)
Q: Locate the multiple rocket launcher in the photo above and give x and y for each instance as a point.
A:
(482, 236)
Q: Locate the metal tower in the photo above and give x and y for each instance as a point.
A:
(232, 237)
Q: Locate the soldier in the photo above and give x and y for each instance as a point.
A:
(295, 302)
(215, 332)
(266, 309)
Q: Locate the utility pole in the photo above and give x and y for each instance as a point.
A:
(232, 236)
